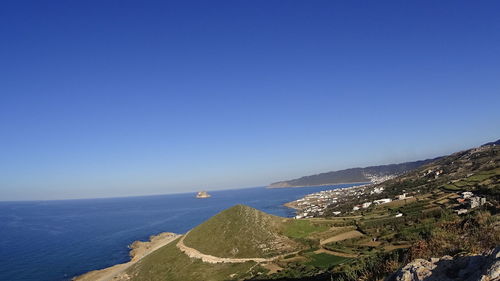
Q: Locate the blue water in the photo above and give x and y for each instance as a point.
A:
(57, 240)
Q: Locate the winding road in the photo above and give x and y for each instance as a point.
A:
(193, 253)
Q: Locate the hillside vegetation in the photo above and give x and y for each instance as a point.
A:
(241, 232)
(365, 244)
(169, 263)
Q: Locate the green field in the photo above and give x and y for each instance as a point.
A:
(484, 178)
(426, 223)
(303, 228)
(451, 187)
(323, 260)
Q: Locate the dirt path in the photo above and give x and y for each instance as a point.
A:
(322, 250)
(193, 253)
(139, 251)
(342, 236)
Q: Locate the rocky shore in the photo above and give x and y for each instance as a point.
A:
(138, 250)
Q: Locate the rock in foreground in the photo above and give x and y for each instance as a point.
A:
(465, 268)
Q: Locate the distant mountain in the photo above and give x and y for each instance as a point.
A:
(497, 142)
(353, 175)
(242, 243)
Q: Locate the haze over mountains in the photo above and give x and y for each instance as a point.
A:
(353, 175)
(444, 207)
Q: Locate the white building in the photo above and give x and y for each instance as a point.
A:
(382, 201)
(467, 194)
(477, 201)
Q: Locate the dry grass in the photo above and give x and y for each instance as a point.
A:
(343, 236)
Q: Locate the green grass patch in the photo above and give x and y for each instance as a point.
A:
(382, 222)
(169, 263)
(484, 175)
(240, 232)
(461, 184)
(324, 261)
(479, 177)
(303, 228)
(451, 187)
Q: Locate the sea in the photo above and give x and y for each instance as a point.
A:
(60, 239)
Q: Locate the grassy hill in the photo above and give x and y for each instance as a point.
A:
(476, 170)
(238, 232)
(241, 232)
(366, 244)
(352, 175)
(169, 263)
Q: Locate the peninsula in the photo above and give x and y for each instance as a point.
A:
(139, 250)
(448, 207)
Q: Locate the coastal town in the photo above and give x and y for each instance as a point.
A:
(318, 204)
(442, 185)
(315, 204)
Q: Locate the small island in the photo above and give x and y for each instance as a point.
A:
(202, 195)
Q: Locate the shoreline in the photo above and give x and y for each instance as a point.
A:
(316, 185)
(138, 250)
(317, 202)
(292, 205)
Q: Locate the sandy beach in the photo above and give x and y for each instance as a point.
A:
(139, 250)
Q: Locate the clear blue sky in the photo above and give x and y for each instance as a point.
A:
(117, 98)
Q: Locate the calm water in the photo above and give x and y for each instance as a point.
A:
(56, 240)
